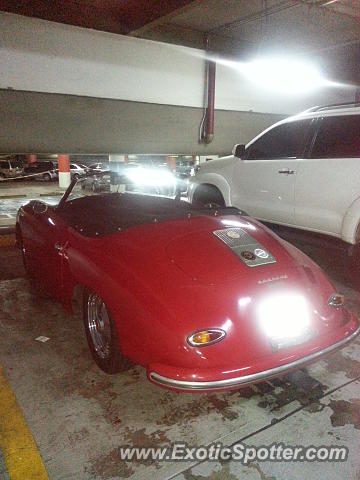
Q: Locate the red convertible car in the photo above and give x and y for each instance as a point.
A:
(204, 297)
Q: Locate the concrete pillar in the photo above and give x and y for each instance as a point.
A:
(114, 158)
(64, 171)
(31, 159)
(171, 161)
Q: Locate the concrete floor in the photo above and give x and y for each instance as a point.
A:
(79, 416)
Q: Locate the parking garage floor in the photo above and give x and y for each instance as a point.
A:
(78, 416)
(15, 194)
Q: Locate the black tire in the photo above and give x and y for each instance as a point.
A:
(76, 176)
(47, 177)
(107, 354)
(208, 195)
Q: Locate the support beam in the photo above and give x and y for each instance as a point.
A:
(49, 123)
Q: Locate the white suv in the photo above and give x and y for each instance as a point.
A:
(303, 172)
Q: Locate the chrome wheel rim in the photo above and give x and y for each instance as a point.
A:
(99, 325)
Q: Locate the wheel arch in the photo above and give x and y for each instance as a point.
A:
(216, 181)
(350, 231)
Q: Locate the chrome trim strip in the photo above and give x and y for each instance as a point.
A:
(230, 382)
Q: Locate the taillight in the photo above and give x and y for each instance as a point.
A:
(202, 338)
(336, 300)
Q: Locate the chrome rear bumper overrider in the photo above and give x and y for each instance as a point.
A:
(254, 377)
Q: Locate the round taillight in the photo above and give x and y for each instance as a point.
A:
(336, 300)
(202, 338)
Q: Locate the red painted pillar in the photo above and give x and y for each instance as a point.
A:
(171, 161)
(31, 159)
(64, 171)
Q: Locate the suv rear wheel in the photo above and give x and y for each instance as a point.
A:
(102, 336)
(207, 195)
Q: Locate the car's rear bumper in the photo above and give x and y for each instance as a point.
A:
(186, 380)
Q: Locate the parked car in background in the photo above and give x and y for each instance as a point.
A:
(96, 183)
(255, 308)
(11, 168)
(134, 177)
(302, 172)
(42, 170)
(100, 167)
(77, 170)
(184, 169)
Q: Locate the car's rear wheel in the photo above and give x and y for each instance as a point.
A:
(208, 195)
(101, 334)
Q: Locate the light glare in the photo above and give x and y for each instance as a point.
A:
(284, 75)
(151, 177)
(284, 316)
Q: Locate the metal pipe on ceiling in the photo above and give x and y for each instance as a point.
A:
(207, 123)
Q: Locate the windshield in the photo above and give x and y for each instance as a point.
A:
(130, 178)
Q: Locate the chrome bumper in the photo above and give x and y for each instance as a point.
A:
(254, 377)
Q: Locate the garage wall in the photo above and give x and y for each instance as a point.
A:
(69, 89)
(45, 123)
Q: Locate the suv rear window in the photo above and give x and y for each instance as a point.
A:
(284, 141)
(338, 137)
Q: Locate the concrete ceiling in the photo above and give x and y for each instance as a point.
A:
(243, 27)
(116, 16)
(302, 24)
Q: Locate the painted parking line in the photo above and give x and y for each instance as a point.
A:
(21, 456)
(3, 472)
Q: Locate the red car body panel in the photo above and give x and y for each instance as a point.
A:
(164, 280)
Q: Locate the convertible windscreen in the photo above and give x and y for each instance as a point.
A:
(105, 213)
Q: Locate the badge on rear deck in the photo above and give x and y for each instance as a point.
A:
(245, 247)
(248, 255)
(233, 234)
(259, 252)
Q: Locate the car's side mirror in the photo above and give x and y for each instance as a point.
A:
(239, 150)
(39, 207)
